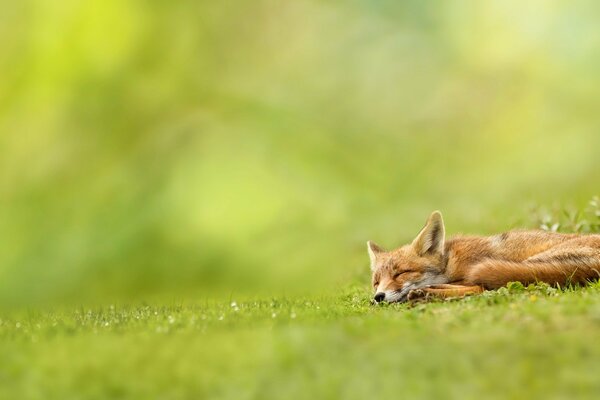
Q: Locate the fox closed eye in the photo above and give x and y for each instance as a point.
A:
(397, 274)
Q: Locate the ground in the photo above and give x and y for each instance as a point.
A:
(514, 343)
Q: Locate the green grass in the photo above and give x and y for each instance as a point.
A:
(517, 342)
(513, 343)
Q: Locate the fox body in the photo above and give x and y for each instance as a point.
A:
(463, 265)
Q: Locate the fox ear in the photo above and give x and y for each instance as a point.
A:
(373, 251)
(432, 237)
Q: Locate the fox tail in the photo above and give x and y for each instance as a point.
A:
(560, 269)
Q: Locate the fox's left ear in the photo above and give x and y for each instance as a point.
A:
(374, 250)
(432, 237)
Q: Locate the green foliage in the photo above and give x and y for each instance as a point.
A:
(170, 148)
(515, 287)
(561, 219)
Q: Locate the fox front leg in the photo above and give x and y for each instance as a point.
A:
(417, 295)
(443, 291)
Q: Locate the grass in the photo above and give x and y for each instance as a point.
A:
(514, 343)
(517, 342)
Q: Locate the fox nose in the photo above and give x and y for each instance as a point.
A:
(379, 297)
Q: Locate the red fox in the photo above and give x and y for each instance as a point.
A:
(463, 265)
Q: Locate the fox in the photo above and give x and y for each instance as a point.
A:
(433, 267)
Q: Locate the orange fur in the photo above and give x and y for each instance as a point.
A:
(485, 262)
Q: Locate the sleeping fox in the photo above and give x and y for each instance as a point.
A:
(432, 266)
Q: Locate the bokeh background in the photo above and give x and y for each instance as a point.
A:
(204, 148)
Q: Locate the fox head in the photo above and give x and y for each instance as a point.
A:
(413, 266)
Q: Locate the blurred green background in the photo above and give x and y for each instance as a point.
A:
(204, 148)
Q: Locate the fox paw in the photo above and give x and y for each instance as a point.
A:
(416, 294)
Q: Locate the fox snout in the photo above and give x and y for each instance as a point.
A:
(393, 296)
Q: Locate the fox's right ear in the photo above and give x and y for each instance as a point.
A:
(431, 238)
(373, 251)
